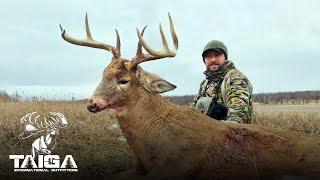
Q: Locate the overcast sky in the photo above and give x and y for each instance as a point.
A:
(275, 43)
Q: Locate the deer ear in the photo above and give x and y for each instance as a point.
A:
(154, 83)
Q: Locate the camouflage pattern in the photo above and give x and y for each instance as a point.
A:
(235, 92)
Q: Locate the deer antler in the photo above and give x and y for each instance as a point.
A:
(155, 54)
(139, 48)
(90, 42)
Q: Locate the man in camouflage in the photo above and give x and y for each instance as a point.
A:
(226, 93)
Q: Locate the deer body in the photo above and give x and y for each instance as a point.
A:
(170, 140)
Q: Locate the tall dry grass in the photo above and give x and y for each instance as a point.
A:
(305, 123)
(302, 118)
(92, 140)
(5, 97)
(89, 138)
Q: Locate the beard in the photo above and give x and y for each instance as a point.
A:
(213, 67)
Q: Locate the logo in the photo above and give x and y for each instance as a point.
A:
(41, 158)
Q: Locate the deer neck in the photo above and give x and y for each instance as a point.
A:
(143, 113)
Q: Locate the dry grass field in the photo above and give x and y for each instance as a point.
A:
(303, 118)
(89, 137)
(93, 141)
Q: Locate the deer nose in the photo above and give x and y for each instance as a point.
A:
(93, 108)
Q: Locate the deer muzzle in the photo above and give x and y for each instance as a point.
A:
(96, 105)
(93, 108)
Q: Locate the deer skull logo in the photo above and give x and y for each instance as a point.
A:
(33, 124)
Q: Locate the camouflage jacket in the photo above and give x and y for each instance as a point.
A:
(235, 92)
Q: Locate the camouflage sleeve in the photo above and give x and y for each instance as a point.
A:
(238, 93)
(199, 95)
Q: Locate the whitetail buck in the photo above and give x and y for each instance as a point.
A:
(170, 140)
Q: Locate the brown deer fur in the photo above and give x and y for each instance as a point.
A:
(170, 140)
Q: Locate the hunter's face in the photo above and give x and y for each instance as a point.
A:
(213, 60)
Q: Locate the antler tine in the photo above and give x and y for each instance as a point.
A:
(87, 28)
(117, 51)
(90, 42)
(156, 54)
(139, 48)
(173, 33)
(164, 40)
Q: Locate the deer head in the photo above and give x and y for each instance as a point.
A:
(123, 80)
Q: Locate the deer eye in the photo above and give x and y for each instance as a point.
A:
(123, 81)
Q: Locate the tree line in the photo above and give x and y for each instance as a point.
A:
(297, 97)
